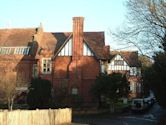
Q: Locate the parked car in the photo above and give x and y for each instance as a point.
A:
(139, 104)
(148, 101)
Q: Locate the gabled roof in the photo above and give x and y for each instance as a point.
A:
(94, 40)
(131, 57)
(56, 41)
(16, 37)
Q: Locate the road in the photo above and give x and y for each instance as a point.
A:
(150, 117)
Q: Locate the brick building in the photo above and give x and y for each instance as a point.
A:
(68, 59)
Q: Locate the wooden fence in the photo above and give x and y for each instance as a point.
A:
(36, 117)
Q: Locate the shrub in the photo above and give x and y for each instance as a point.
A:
(39, 95)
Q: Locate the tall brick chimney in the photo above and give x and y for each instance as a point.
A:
(75, 74)
(77, 37)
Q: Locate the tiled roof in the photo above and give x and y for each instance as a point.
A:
(131, 57)
(52, 41)
(16, 37)
(95, 41)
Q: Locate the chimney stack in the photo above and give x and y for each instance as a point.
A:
(77, 37)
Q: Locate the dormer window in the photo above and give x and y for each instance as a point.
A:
(46, 66)
(14, 50)
(22, 50)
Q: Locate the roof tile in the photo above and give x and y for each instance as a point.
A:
(16, 37)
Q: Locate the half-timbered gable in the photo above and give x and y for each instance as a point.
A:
(127, 62)
(118, 64)
(86, 50)
(66, 49)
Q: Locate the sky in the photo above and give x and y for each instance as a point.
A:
(56, 15)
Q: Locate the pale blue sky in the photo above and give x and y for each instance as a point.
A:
(56, 15)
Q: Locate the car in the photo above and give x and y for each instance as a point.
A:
(148, 100)
(139, 104)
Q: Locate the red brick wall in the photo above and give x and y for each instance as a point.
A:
(86, 90)
(81, 75)
(136, 80)
(61, 64)
(61, 70)
(24, 72)
(77, 71)
(19, 63)
(91, 67)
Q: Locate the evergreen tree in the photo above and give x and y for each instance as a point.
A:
(39, 94)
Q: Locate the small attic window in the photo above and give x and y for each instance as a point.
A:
(14, 50)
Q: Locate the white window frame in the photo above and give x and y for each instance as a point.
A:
(74, 91)
(46, 67)
(24, 50)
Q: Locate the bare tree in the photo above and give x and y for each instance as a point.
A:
(146, 25)
(8, 87)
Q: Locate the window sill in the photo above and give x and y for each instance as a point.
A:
(46, 73)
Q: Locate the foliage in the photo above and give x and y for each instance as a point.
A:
(159, 84)
(146, 29)
(39, 94)
(76, 101)
(146, 63)
(154, 76)
(148, 77)
(146, 25)
(112, 86)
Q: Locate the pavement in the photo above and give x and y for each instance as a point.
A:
(150, 117)
(75, 124)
